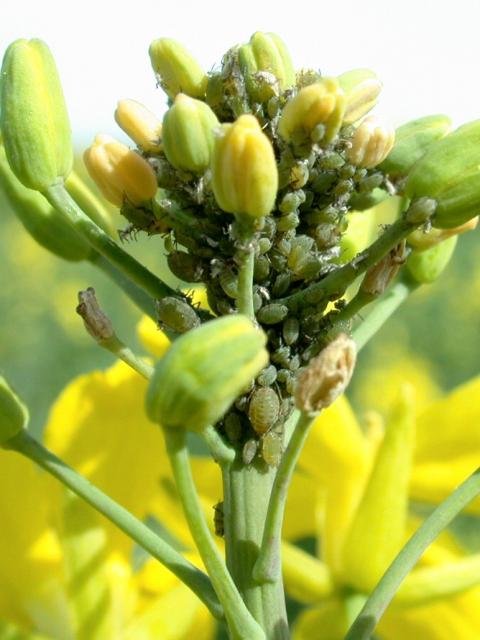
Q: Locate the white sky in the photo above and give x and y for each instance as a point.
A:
(427, 52)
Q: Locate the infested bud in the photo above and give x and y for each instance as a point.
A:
(13, 413)
(177, 69)
(204, 371)
(96, 322)
(177, 315)
(426, 266)
(422, 240)
(362, 88)
(34, 119)
(327, 376)
(188, 134)
(140, 124)
(371, 143)
(264, 409)
(322, 103)
(379, 276)
(244, 170)
(120, 173)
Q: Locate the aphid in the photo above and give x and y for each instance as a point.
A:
(176, 314)
(263, 409)
(290, 330)
(282, 356)
(218, 519)
(281, 284)
(185, 266)
(272, 313)
(288, 222)
(261, 268)
(249, 450)
(264, 245)
(229, 283)
(268, 376)
(272, 448)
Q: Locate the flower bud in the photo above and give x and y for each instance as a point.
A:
(412, 141)
(319, 103)
(426, 266)
(422, 240)
(204, 371)
(362, 88)
(449, 173)
(119, 172)
(371, 143)
(50, 228)
(34, 119)
(244, 170)
(327, 376)
(188, 134)
(265, 52)
(13, 413)
(140, 124)
(177, 69)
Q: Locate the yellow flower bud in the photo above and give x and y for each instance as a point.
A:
(13, 413)
(138, 122)
(204, 371)
(177, 69)
(422, 240)
(319, 103)
(371, 143)
(119, 172)
(34, 119)
(244, 170)
(362, 88)
(188, 134)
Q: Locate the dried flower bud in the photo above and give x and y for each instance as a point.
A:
(34, 119)
(13, 413)
(426, 266)
(379, 276)
(188, 134)
(327, 376)
(204, 371)
(371, 143)
(319, 103)
(119, 172)
(362, 88)
(177, 69)
(244, 170)
(140, 124)
(422, 240)
(96, 322)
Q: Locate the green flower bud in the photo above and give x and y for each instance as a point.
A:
(45, 224)
(244, 170)
(319, 103)
(265, 52)
(13, 413)
(362, 88)
(426, 266)
(371, 143)
(188, 134)
(34, 119)
(177, 69)
(449, 172)
(204, 371)
(412, 141)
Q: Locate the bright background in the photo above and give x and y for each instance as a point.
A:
(426, 52)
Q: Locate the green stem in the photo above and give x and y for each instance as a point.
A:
(268, 565)
(240, 623)
(137, 295)
(221, 452)
(121, 351)
(335, 283)
(385, 590)
(246, 496)
(245, 281)
(196, 580)
(59, 198)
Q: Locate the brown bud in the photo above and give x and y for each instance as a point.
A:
(326, 376)
(381, 274)
(96, 322)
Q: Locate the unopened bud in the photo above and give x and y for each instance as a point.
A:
(371, 143)
(379, 276)
(244, 169)
(422, 240)
(96, 322)
(177, 69)
(327, 376)
(362, 88)
(426, 266)
(120, 173)
(140, 124)
(319, 103)
(188, 134)
(13, 413)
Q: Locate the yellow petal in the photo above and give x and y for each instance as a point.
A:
(325, 622)
(152, 338)
(307, 580)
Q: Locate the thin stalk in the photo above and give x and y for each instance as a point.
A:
(59, 198)
(121, 351)
(245, 282)
(221, 452)
(408, 557)
(268, 565)
(196, 580)
(241, 624)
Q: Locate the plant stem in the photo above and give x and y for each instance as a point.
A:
(268, 565)
(335, 283)
(245, 501)
(59, 198)
(241, 624)
(196, 580)
(246, 259)
(385, 590)
(121, 351)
